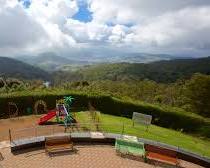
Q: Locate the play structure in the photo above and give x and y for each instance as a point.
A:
(62, 112)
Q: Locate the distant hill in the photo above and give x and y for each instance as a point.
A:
(10, 67)
(50, 61)
(161, 71)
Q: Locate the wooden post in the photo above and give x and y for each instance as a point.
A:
(10, 136)
(35, 131)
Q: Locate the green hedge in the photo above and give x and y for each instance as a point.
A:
(168, 117)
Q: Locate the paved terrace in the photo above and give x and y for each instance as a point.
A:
(86, 156)
(96, 156)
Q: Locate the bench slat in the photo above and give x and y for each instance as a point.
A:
(59, 143)
(127, 147)
(162, 158)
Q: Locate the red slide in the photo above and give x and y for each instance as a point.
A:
(47, 117)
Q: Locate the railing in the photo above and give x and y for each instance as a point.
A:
(45, 130)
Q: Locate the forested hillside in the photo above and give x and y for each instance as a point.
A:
(16, 69)
(161, 71)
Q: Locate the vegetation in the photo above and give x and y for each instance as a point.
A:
(162, 71)
(114, 124)
(198, 94)
(16, 69)
(165, 116)
(191, 95)
(182, 105)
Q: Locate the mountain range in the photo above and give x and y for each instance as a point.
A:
(159, 71)
(49, 61)
(10, 67)
(53, 62)
(63, 69)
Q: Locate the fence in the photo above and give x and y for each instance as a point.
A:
(37, 131)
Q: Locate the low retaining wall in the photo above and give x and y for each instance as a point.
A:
(109, 138)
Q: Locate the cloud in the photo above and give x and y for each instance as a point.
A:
(185, 29)
(17, 29)
(34, 29)
(156, 26)
(138, 10)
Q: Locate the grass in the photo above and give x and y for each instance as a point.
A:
(115, 124)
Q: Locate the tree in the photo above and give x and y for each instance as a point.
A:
(198, 94)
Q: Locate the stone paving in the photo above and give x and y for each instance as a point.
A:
(86, 156)
(96, 156)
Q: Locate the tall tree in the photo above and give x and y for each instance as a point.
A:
(198, 94)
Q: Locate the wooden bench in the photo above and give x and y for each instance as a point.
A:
(161, 156)
(58, 144)
(131, 149)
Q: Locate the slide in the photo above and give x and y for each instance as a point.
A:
(47, 117)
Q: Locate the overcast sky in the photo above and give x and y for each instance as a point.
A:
(67, 26)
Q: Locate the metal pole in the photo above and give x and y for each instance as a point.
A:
(147, 127)
(123, 129)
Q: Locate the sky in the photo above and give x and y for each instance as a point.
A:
(66, 27)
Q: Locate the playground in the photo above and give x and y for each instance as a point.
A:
(145, 143)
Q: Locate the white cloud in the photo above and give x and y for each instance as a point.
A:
(186, 28)
(35, 29)
(17, 29)
(160, 25)
(56, 11)
(87, 32)
(152, 25)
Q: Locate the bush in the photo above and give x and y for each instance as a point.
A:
(198, 94)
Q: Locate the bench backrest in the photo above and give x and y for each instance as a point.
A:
(159, 150)
(130, 144)
(57, 140)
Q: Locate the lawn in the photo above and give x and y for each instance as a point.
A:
(115, 124)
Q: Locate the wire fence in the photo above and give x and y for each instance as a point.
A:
(46, 130)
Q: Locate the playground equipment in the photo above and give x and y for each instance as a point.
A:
(38, 104)
(62, 112)
(13, 109)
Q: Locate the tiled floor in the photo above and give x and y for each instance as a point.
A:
(95, 156)
(86, 156)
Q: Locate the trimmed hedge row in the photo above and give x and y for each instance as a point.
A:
(24, 102)
(162, 116)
